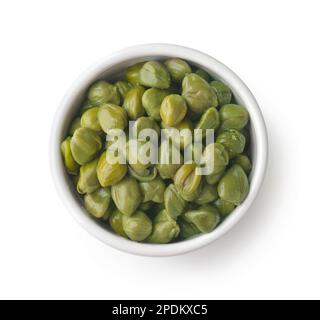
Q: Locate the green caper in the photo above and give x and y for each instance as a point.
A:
(214, 178)
(85, 145)
(147, 175)
(198, 94)
(88, 181)
(133, 103)
(133, 73)
(174, 203)
(71, 165)
(137, 156)
(145, 123)
(209, 120)
(187, 230)
(154, 74)
(164, 232)
(109, 171)
(162, 215)
(123, 88)
(243, 161)
(153, 190)
(177, 68)
(216, 155)
(223, 92)
(188, 182)
(170, 160)
(138, 226)
(173, 109)
(151, 101)
(233, 141)
(206, 218)
(90, 119)
(103, 92)
(116, 223)
(185, 136)
(233, 116)
(208, 195)
(234, 186)
(224, 207)
(98, 202)
(126, 195)
(111, 116)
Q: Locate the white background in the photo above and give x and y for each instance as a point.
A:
(274, 252)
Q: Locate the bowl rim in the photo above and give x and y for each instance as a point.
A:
(149, 50)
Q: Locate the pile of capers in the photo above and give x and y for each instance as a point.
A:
(159, 203)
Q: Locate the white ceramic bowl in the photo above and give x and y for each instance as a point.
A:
(115, 65)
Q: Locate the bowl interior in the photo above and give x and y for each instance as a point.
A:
(112, 69)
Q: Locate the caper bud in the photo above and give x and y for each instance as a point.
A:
(224, 207)
(208, 195)
(233, 116)
(103, 92)
(116, 223)
(71, 165)
(141, 156)
(133, 103)
(173, 109)
(174, 203)
(151, 101)
(209, 120)
(146, 175)
(111, 117)
(85, 145)
(206, 218)
(177, 68)
(167, 165)
(123, 88)
(153, 190)
(98, 202)
(88, 181)
(243, 161)
(90, 119)
(198, 93)
(164, 232)
(233, 141)
(187, 230)
(234, 186)
(109, 171)
(133, 73)
(185, 136)
(137, 227)
(127, 195)
(188, 180)
(154, 74)
(223, 92)
(216, 157)
(145, 123)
